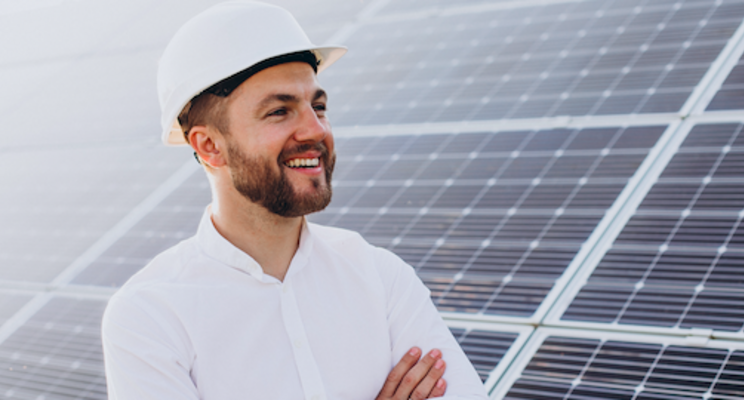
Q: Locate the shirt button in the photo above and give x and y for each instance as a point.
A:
(285, 288)
(298, 343)
(316, 397)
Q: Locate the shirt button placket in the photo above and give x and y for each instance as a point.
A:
(312, 385)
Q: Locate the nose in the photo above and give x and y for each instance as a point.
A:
(312, 126)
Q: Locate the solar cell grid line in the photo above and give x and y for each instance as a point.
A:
(649, 60)
(673, 265)
(540, 213)
(56, 354)
(567, 364)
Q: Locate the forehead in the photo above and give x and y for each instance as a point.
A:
(289, 78)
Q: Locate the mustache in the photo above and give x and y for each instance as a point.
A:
(301, 148)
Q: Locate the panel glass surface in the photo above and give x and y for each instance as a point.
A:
(173, 220)
(574, 368)
(489, 220)
(485, 349)
(56, 354)
(577, 58)
(678, 261)
(59, 203)
(731, 94)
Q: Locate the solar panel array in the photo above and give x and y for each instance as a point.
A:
(489, 220)
(677, 262)
(565, 176)
(566, 58)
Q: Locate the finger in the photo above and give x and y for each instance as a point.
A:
(428, 384)
(399, 371)
(414, 376)
(439, 389)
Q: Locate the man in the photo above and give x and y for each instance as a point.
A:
(261, 304)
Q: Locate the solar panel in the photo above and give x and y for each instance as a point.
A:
(485, 349)
(731, 94)
(172, 220)
(56, 209)
(490, 220)
(574, 58)
(630, 367)
(56, 354)
(676, 262)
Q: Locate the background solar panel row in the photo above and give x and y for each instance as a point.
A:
(56, 354)
(57, 208)
(173, 220)
(572, 58)
(578, 368)
(489, 220)
(677, 262)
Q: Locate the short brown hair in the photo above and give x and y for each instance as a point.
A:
(205, 109)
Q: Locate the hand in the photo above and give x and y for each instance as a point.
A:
(415, 379)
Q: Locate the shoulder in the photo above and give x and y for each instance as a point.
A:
(146, 299)
(348, 243)
(156, 281)
(352, 246)
(166, 267)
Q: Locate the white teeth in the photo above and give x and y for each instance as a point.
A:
(303, 162)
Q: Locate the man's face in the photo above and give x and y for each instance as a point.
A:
(280, 148)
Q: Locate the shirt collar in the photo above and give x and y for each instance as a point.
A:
(220, 249)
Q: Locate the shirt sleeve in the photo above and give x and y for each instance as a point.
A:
(145, 358)
(414, 321)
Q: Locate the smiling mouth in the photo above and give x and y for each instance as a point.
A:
(303, 162)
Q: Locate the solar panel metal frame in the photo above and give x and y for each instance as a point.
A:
(541, 334)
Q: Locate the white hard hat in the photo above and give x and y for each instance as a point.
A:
(220, 42)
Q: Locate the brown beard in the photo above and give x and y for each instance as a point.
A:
(257, 181)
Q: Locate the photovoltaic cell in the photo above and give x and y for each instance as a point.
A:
(489, 220)
(174, 219)
(484, 349)
(579, 58)
(574, 368)
(731, 94)
(56, 354)
(677, 261)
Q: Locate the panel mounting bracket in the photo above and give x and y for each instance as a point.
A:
(698, 337)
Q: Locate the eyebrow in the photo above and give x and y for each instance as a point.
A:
(288, 98)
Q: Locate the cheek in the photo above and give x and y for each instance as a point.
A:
(330, 145)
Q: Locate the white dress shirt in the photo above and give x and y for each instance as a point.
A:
(202, 321)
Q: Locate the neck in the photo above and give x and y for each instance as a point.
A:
(269, 239)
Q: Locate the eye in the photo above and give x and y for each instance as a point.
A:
(319, 107)
(277, 112)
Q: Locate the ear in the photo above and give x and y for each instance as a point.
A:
(208, 145)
